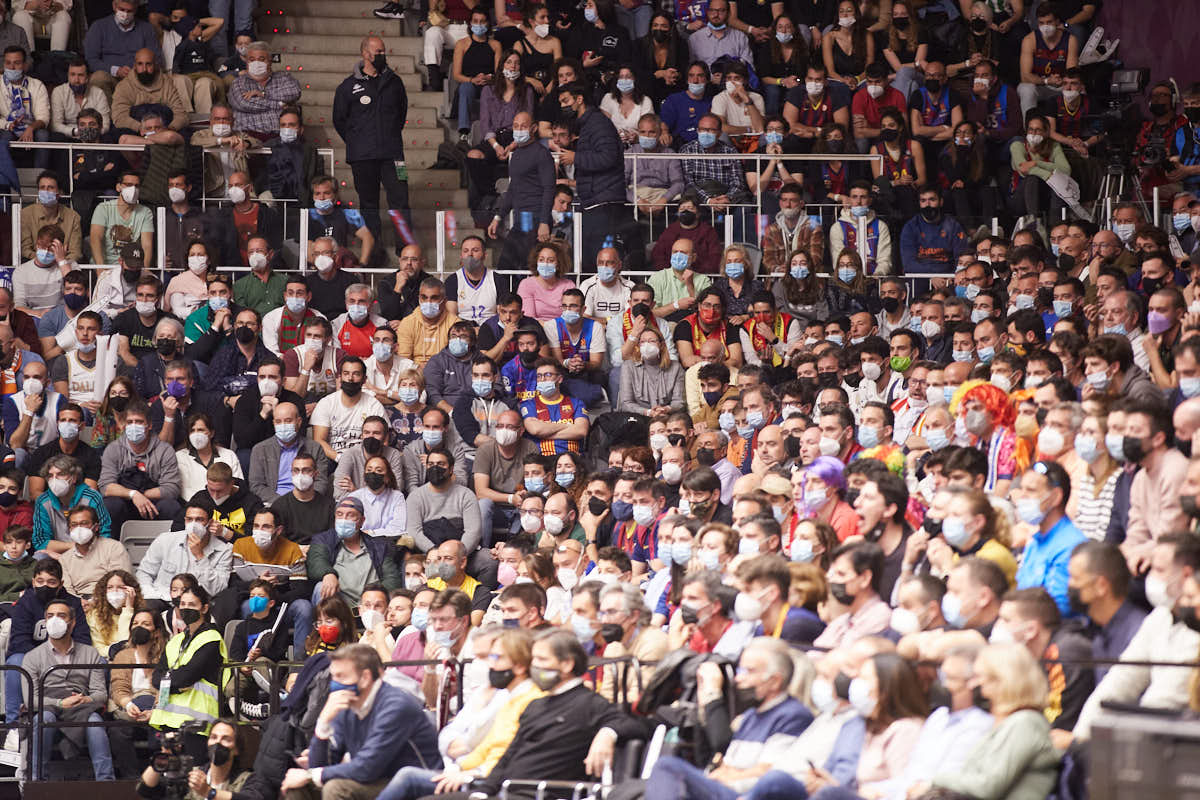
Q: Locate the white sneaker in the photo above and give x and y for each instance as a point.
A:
(12, 740)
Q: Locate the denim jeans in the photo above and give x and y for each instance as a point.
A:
(97, 743)
(13, 685)
(675, 779)
(467, 92)
(488, 510)
(777, 785)
(243, 20)
(409, 784)
(635, 20)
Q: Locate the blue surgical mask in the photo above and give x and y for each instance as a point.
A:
(835, 338)
(643, 515)
(706, 138)
(1063, 308)
(648, 142)
(564, 479)
(323, 205)
(1116, 330)
(962, 355)
(285, 431)
(458, 347)
(546, 269)
(782, 37)
(679, 261)
(430, 310)
(606, 274)
(860, 211)
(257, 604)
(45, 256)
(409, 394)
(978, 315)
(951, 610)
(1087, 448)
(218, 303)
(799, 272)
(381, 350)
(986, 354)
(681, 552)
(697, 88)
(802, 551)
(295, 305)
(1181, 221)
(14, 75)
(954, 531)
(482, 388)
(345, 528)
(1023, 302)
(774, 137)
(1114, 443)
(547, 388)
(847, 274)
(746, 432)
(1029, 509)
(868, 436)
(431, 438)
(571, 317)
(420, 618)
(735, 269)
(625, 85)
(357, 312)
(521, 135)
(710, 559)
(47, 197)
(716, 27)
(726, 421)
(948, 391)
(755, 419)
(535, 484)
(936, 438)
(1055, 249)
(589, 14)
(135, 432)
(479, 30)
(1189, 387)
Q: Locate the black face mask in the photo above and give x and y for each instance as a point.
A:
(841, 686)
(676, 439)
(245, 334)
(597, 507)
(500, 678)
(75, 302)
(1066, 262)
(166, 347)
(528, 359)
(835, 145)
(7, 499)
(660, 36)
(139, 636)
(1133, 448)
(979, 700)
(1045, 297)
(131, 275)
(174, 602)
(379, 62)
(700, 510)
(351, 388)
(219, 754)
(931, 213)
(1187, 615)
(374, 481)
(840, 593)
(1188, 504)
(933, 86)
(706, 456)
(979, 26)
(372, 446)
(889, 134)
(851, 496)
(687, 218)
(791, 446)
(396, 630)
(808, 384)
(688, 615)
(1192, 114)
(1159, 109)
(1040, 416)
(611, 632)
(1150, 285)
(827, 380)
(891, 304)
(436, 474)
(1185, 447)
(45, 593)
(932, 526)
(853, 380)
(118, 403)
(901, 23)
(190, 616)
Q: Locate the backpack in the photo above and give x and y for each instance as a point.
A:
(670, 699)
(616, 428)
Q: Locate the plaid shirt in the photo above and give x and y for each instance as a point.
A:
(261, 114)
(728, 172)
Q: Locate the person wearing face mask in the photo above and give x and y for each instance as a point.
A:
(791, 231)
(874, 96)
(139, 473)
(148, 84)
(331, 552)
(113, 41)
(70, 695)
(1041, 503)
(658, 179)
(766, 580)
(1040, 166)
(449, 571)
(854, 575)
(1046, 54)
(38, 282)
(764, 671)
(30, 414)
(442, 507)
(375, 155)
(436, 433)
(704, 622)
(68, 99)
(231, 505)
(941, 237)
(92, 555)
(353, 330)
(258, 93)
(42, 224)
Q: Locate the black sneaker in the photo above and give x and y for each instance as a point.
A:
(390, 11)
(257, 711)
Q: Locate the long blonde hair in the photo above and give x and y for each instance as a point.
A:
(664, 355)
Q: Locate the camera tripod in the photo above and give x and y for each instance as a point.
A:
(1113, 185)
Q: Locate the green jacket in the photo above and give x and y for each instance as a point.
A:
(1014, 761)
(15, 576)
(322, 555)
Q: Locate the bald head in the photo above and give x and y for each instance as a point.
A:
(711, 350)
(957, 372)
(1187, 419)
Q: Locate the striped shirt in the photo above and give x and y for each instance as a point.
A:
(1095, 507)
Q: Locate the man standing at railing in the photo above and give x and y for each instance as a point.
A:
(720, 182)
(369, 111)
(529, 196)
(599, 164)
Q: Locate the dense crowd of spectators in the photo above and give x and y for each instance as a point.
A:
(850, 536)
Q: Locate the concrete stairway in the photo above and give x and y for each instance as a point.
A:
(320, 50)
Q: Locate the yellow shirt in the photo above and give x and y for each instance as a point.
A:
(421, 341)
(1002, 557)
(119, 633)
(287, 552)
(503, 730)
(469, 585)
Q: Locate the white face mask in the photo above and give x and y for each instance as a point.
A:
(506, 436)
(116, 598)
(176, 194)
(221, 129)
(129, 194)
(302, 481)
(198, 439)
(81, 535)
(323, 262)
(196, 529)
(268, 387)
(197, 264)
(258, 68)
(262, 539)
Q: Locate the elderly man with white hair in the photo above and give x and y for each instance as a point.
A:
(353, 329)
(259, 93)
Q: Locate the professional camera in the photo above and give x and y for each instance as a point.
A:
(172, 762)
(1119, 119)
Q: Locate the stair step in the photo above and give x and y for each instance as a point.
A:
(332, 63)
(389, 29)
(294, 42)
(308, 8)
(321, 94)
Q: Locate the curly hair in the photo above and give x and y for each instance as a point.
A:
(995, 402)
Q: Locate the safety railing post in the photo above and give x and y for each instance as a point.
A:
(303, 239)
(16, 233)
(440, 237)
(577, 243)
(160, 242)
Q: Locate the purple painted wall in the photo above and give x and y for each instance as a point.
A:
(1160, 34)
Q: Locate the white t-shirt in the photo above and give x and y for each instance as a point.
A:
(734, 113)
(602, 301)
(345, 424)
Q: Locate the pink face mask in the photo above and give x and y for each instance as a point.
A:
(506, 574)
